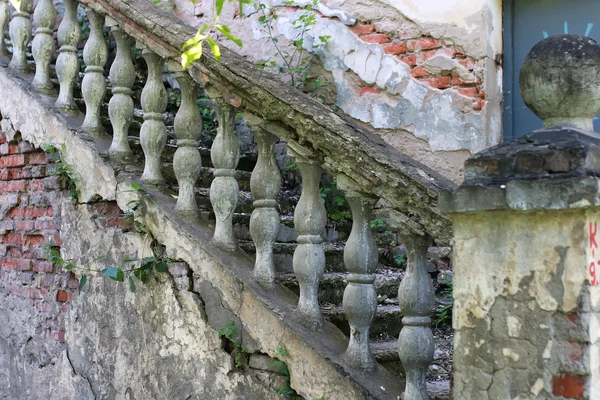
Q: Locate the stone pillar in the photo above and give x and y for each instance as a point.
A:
(224, 189)
(310, 219)
(361, 258)
(153, 135)
(265, 184)
(43, 48)
(20, 35)
(120, 106)
(188, 128)
(93, 86)
(4, 19)
(416, 299)
(67, 63)
(526, 282)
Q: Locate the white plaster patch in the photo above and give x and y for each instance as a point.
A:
(537, 387)
(548, 350)
(514, 326)
(415, 93)
(509, 353)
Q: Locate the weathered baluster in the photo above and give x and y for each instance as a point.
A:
(188, 128)
(153, 135)
(20, 35)
(224, 190)
(93, 86)
(120, 106)
(265, 183)
(416, 300)
(310, 219)
(67, 63)
(43, 48)
(361, 258)
(4, 18)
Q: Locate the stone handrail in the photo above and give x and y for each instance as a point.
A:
(334, 142)
(367, 168)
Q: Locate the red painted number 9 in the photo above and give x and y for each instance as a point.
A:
(594, 280)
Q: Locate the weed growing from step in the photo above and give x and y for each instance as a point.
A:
(64, 171)
(285, 390)
(130, 268)
(229, 331)
(443, 313)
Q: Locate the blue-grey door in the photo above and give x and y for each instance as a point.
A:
(526, 22)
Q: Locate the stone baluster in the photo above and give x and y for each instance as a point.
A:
(93, 86)
(265, 183)
(416, 300)
(43, 48)
(188, 128)
(67, 63)
(4, 18)
(361, 258)
(224, 190)
(20, 35)
(120, 106)
(153, 135)
(309, 257)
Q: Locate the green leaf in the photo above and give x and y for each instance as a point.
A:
(141, 274)
(191, 55)
(219, 6)
(128, 260)
(225, 31)
(148, 260)
(161, 266)
(214, 47)
(82, 282)
(132, 285)
(135, 186)
(70, 266)
(114, 273)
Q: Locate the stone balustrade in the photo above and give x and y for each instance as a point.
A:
(310, 219)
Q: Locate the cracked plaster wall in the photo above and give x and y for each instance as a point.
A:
(437, 103)
(526, 324)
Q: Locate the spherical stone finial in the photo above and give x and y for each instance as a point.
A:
(560, 81)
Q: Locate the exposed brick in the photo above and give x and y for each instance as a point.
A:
(410, 60)
(13, 238)
(62, 296)
(368, 90)
(24, 225)
(34, 240)
(479, 104)
(16, 186)
(15, 160)
(44, 225)
(2, 137)
(419, 72)
(576, 352)
(376, 38)
(9, 264)
(5, 174)
(58, 336)
(469, 92)
(440, 82)
(24, 265)
(363, 29)
(423, 44)
(49, 212)
(568, 386)
(117, 222)
(43, 266)
(36, 185)
(467, 63)
(38, 158)
(426, 55)
(395, 48)
(15, 252)
(34, 293)
(106, 208)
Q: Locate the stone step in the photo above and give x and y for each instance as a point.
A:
(333, 284)
(387, 322)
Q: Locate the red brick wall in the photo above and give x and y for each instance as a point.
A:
(415, 51)
(30, 219)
